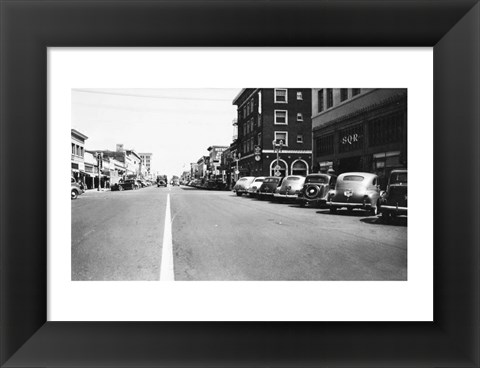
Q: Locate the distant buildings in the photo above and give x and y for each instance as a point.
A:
(105, 167)
(147, 161)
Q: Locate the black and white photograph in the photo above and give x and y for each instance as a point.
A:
(239, 184)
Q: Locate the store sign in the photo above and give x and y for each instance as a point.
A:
(351, 138)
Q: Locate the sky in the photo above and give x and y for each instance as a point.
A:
(175, 125)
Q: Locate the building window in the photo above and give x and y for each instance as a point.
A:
(299, 138)
(329, 97)
(73, 149)
(281, 117)
(343, 94)
(299, 96)
(244, 129)
(244, 111)
(252, 125)
(281, 136)
(389, 129)
(299, 168)
(281, 96)
(248, 126)
(259, 139)
(320, 100)
(355, 91)
(299, 116)
(324, 145)
(251, 105)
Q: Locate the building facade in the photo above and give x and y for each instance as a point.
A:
(78, 155)
(215, 161)
(356, 129)
(268, 115)
(146, 163)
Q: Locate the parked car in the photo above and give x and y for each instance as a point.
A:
(255, 185)
(128, 184)
(355, 190)
(393, 201)
(316, 188)
(290, 187)
(176, 182)
(242, 185)
(268, 187)
(161, 183)
(75, 189)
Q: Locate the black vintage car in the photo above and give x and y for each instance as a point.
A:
(268, 187)
(393, 202)
(315, 189)
(128, 184)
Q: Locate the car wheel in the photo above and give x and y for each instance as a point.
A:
(239, 194)
(74, 194)
(333, 210)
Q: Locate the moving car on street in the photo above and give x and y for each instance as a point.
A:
(75, 189)
(268, 187)
(255, 185)
(315, 189)
(393, 202)
(128, 184)
(242, 185)
(355, 190)
(290, 188)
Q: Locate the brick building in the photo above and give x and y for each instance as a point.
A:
(268, 114)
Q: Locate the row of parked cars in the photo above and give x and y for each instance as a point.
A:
(352, 190)
(131, 184)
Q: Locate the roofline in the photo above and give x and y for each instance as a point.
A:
(238, 96)
(80, 134)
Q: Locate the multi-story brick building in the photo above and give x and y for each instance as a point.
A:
(359, 129)
(274, 114)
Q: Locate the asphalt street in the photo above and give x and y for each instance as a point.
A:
(215, 235)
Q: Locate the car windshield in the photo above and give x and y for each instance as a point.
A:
(293, 178)
(317, 179)
(398, 178)
(242, 179)
(271, 180)
(259, 180)
(353, 178)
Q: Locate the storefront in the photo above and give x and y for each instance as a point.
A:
(374, 140)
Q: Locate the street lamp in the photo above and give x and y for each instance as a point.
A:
(277, 147)
(99, 165)
(236, 157)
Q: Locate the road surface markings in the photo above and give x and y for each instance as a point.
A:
(166, 267)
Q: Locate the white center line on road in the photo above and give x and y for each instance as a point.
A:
(166, 267)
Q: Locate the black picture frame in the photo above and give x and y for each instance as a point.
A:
(452, 28)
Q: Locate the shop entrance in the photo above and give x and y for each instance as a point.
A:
(349, 164)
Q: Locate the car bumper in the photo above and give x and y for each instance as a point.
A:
(312, 200)
(349, 204)
(289, 196)
(394, 209)
(265, 194)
